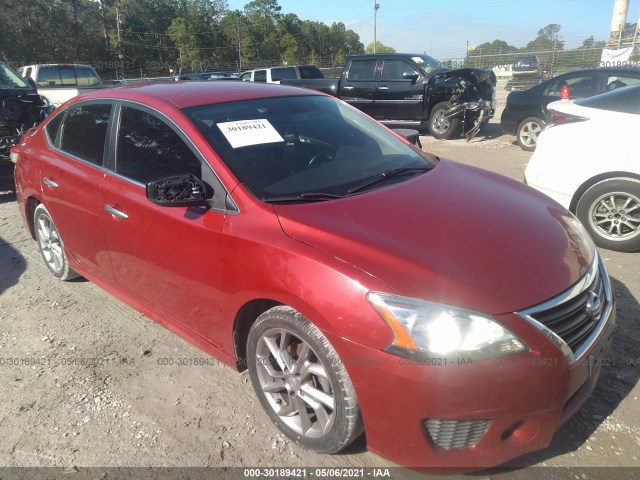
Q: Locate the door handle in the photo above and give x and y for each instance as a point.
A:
(348, 87)
(51, 183)
(114, 212)
(383, 88)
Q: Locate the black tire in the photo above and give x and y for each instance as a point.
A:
(312, 370)
(51, 245)
(528, 131)
(440, 128)
(610, 211)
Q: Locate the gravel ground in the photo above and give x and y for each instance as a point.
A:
(91, 387)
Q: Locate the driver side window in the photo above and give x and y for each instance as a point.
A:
(394, 69)
(148, 148)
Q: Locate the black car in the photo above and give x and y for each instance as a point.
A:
(525, 110)
(208, 76)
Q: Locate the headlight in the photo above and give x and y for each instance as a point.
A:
(422, 327)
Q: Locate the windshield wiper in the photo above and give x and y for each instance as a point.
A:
(388, 174)
(302, 197)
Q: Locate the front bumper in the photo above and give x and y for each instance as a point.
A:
(457, 414)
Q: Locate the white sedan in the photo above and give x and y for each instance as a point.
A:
(588, 160)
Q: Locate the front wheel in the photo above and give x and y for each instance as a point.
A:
(51, 245)
(528, 132)
(301, 382)
(610, 211)
(440, 127)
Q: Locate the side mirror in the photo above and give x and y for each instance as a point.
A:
(183, 190)
(410, 75)
(31, 83)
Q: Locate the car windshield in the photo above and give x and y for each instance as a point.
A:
(9, 79)
(428, 64)
(305, 148)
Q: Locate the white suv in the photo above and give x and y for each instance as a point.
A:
(275, 74)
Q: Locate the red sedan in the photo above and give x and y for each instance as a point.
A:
(454, 315)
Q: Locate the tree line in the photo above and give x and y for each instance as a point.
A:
(548, 46)
(182, 34)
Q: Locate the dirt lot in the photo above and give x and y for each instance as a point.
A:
(92, 388)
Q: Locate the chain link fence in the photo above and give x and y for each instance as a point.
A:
(550, 63)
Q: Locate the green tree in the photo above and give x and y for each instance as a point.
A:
(548, 39)
(380, 48)
(183, 37)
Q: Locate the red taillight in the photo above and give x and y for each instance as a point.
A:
(565, 92)
(559, 118)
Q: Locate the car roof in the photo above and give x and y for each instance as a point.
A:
(191, 94)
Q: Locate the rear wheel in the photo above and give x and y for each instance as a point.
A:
(610, 211)
(528, 131)
(440, 127)
(51, 245)
(301, 382)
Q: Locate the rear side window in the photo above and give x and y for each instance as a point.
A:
(53, 126)
(260, 76)
(283, 73)
(149, 149)
(362, 70)
(85, 130)
(625, 100)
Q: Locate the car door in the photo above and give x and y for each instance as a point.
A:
(166, 257)
(396, 97)
(358, 85)
(71, 175)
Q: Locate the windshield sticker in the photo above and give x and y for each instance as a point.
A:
(249, 132)
(418, 60)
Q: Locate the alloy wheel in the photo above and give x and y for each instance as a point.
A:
(529, 134)
(616, 216)
(50, 243)
(295, 383)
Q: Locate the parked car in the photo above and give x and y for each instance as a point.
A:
(526, 66)
(21, 108)
(59, 82)
(414, 90)
(525, 111)
(208, 76)
(276, 74)
(240, 217)
(586, 160)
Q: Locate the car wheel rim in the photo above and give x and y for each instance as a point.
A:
(295, 383)
(440, 124)
(616, 216)
(50, 244)
(529, 133)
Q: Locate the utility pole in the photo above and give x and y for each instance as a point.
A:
(376, 6)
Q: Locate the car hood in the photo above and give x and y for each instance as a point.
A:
(457, 235)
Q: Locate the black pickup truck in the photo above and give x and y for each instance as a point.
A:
(414, 90)
(21, 107)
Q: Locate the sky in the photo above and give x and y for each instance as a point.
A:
(442, 28)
